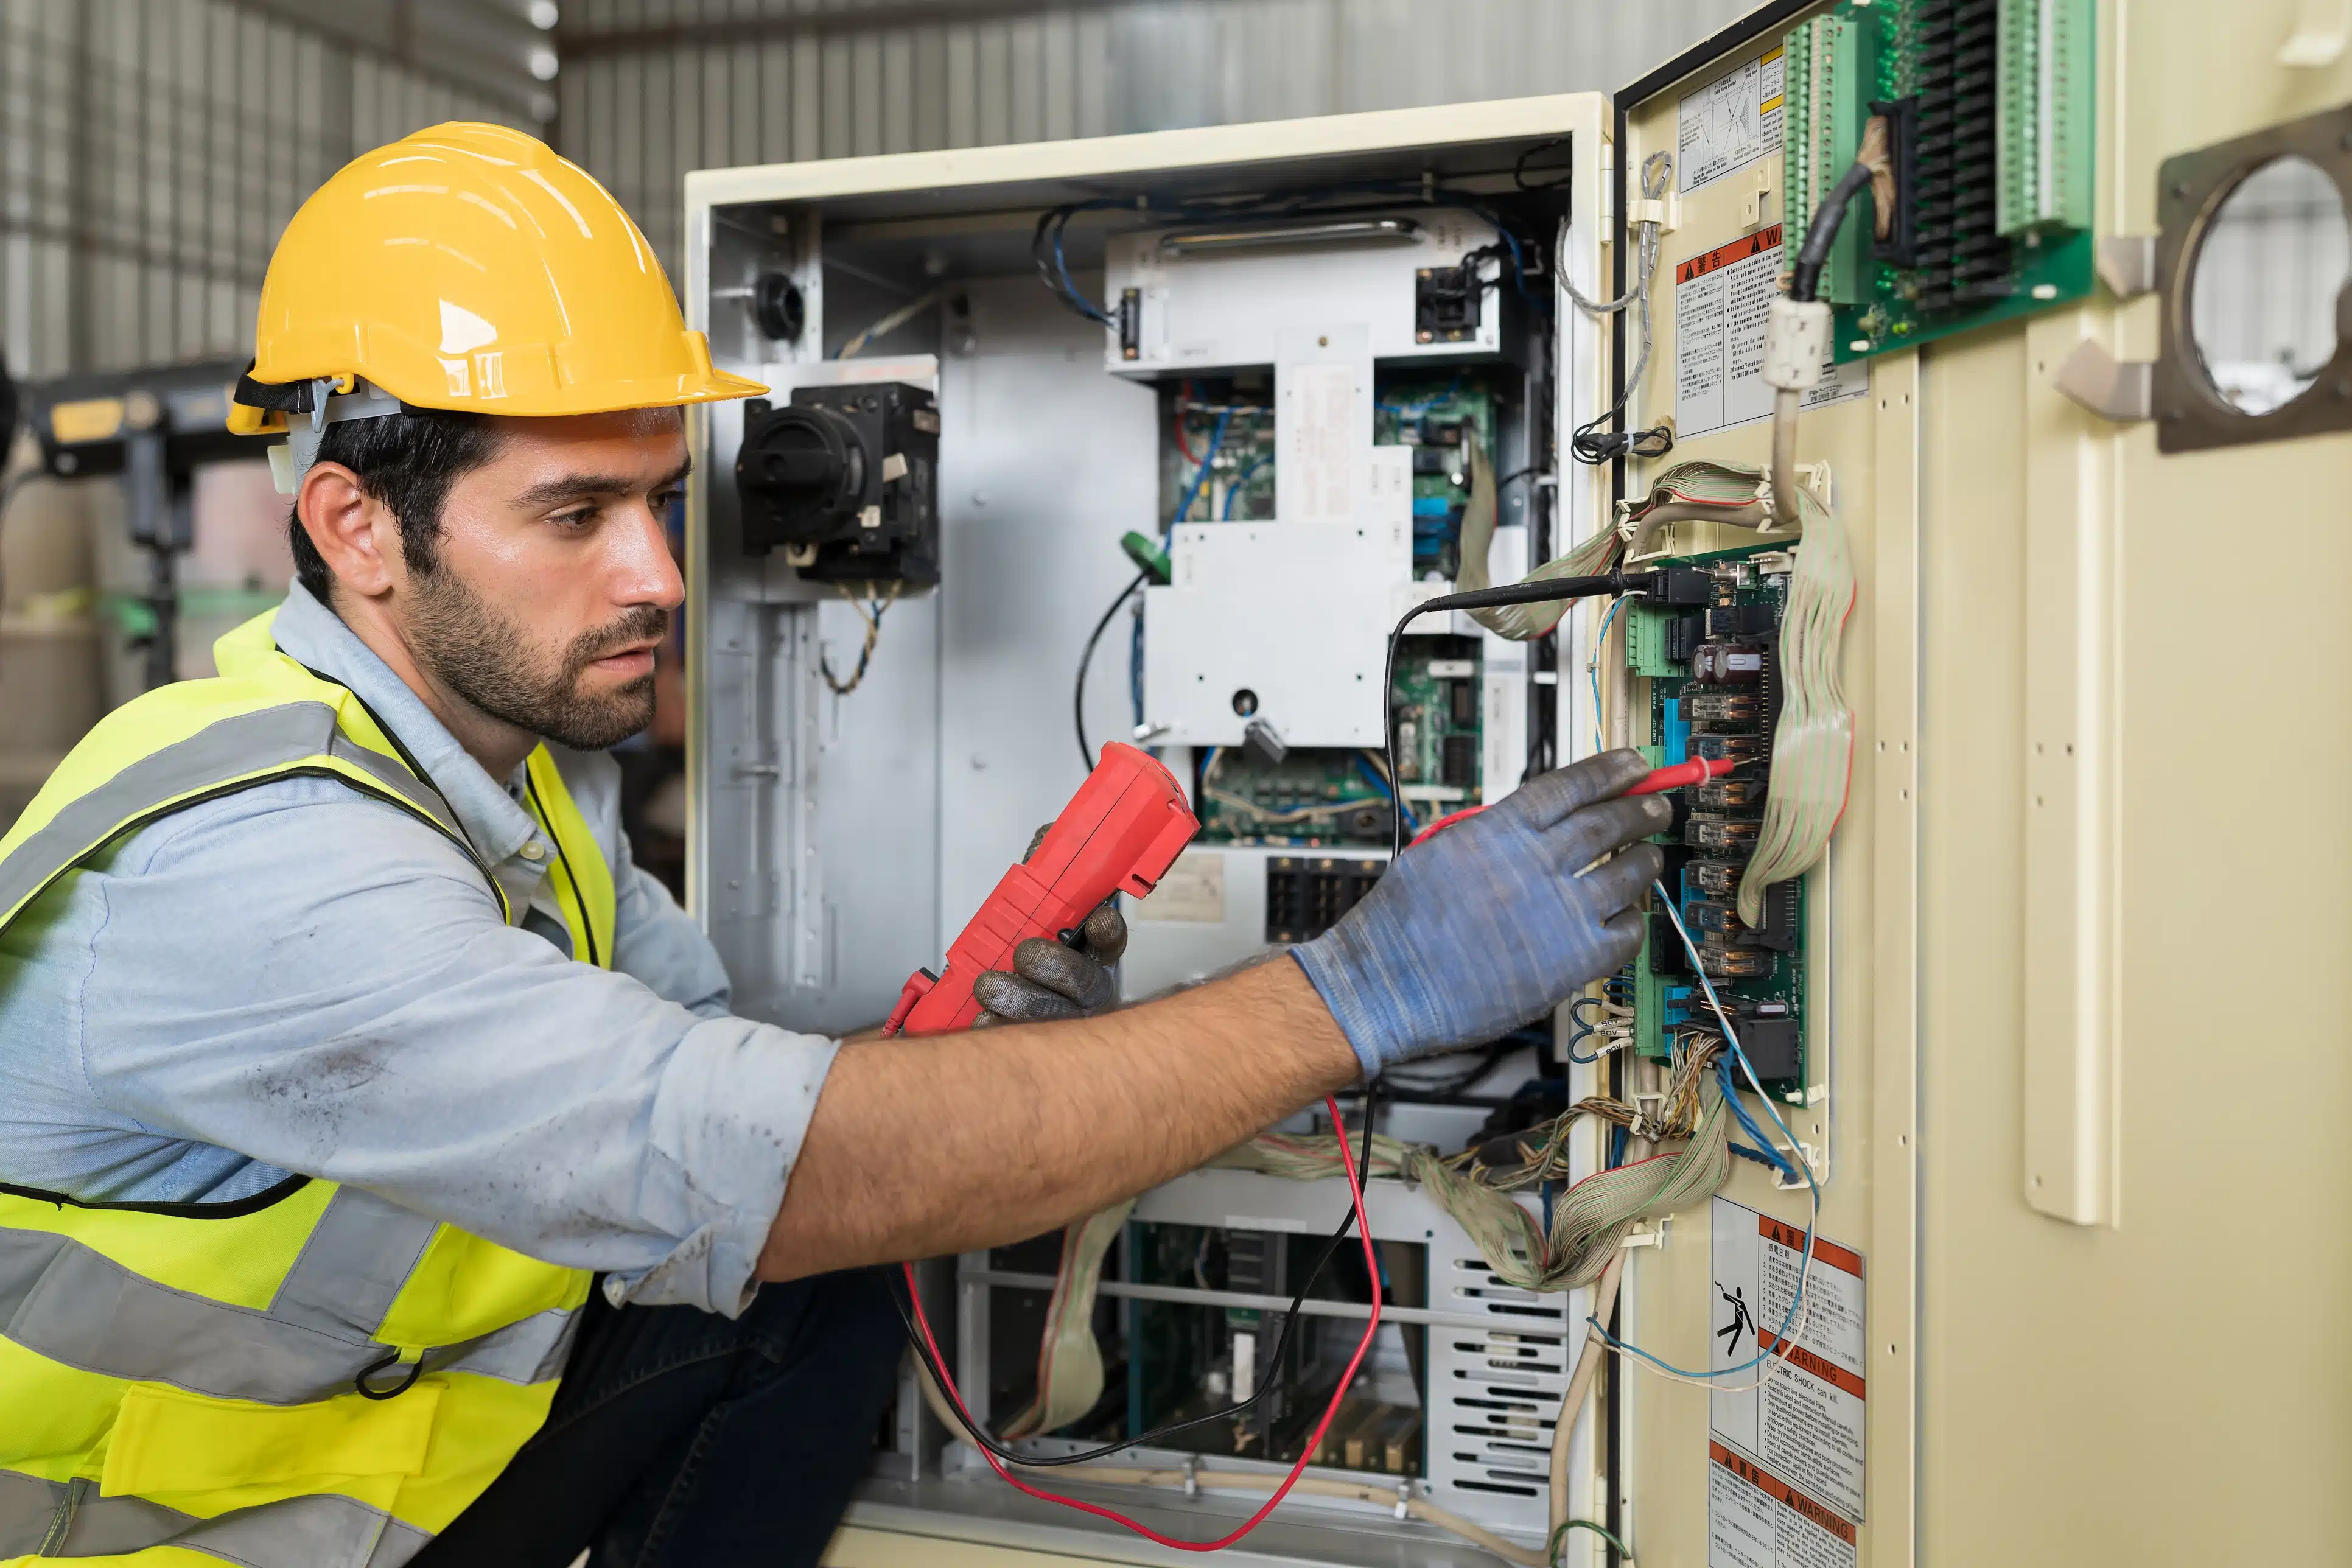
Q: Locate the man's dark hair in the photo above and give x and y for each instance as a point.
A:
(408, 461)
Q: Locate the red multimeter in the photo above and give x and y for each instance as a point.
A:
(1120, 833)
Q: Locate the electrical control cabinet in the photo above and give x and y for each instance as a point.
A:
(1973, 1009)
(1302, 369)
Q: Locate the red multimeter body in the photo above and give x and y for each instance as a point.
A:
(1120, 833)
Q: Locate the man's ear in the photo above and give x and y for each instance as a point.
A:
(357, 535)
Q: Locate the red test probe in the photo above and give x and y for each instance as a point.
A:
(1657, 780)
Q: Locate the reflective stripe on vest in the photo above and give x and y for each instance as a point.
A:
(70, 1519)
(312, 1376)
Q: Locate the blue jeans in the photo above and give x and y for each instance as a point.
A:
(681, 1439)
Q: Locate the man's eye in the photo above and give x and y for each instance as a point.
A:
(579, 517)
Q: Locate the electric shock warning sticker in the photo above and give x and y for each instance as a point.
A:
(1755, 1520)
(1731, 122)
(1785, 1477)
(1721, 298)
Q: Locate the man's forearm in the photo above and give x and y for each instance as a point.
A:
(951, 1143)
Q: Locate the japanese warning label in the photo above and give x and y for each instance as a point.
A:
(1754, 1519)
(1721, 298)
(1784, 1482)
(1731, 122)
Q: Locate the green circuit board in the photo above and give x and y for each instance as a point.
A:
(1327, 795)
(1759, 973)
(1438, 417)
(1990, 106)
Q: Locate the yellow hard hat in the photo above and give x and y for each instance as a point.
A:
(469, 266)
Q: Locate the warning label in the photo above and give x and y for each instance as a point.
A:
(1805, 1423)
(1755, 1520)
(1721, 298)
(1731, 122)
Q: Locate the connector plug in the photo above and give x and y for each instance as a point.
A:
(1679, 585)
(1796, 343)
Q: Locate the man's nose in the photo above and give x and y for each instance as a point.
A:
(646, 571)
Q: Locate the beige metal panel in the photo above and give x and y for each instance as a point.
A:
(2062, 1404)
(1331, 134)
(2084, 1393)
(1860, 938)
(856, 1547)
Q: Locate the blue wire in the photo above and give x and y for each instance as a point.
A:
(1769, 1156)
(1414, 410)
(1412, 823)
(1192, 494)
(1233, 490)
(1216, 439)
(1599, 639)
(1070, 283)
(1732, 1041)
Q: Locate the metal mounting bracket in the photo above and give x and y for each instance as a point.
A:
(2127, 264)
(2322, 28)
(2120, 391)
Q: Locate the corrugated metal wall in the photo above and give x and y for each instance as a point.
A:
(151, 149)
(652, 89)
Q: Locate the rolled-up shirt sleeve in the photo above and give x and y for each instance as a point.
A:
(367, 1017)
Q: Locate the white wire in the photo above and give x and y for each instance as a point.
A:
(1798, 1314)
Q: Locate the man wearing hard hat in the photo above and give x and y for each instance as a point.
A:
(382, 1177)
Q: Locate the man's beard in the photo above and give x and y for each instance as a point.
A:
(464, 642)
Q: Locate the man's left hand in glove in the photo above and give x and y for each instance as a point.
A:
(1049, 980)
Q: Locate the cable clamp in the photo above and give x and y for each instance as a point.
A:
(1192, 1477)
(1404, 1501)
(1665, 211)
(1647, 1233)
(1812, 1158)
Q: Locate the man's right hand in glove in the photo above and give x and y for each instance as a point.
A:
(1497, 919)
(1488, 926)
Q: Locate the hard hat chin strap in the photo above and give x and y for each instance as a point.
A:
(289, 462)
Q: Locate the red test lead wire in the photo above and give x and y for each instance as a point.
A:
(1315, 1443)
(1657, 780)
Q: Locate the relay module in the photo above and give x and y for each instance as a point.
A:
(1715, 690)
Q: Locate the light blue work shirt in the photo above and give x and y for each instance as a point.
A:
(298, 978)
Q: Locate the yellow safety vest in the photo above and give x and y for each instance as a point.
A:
(313, 1377)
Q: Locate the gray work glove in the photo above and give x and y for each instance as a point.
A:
(1049, 980)
(1496, 921)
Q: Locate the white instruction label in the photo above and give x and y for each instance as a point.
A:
(1804, 1426)
(1317, 442)
(1731, 122)
(1194, 889)
(1721, 299)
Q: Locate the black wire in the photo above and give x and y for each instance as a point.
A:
(1078, 702)
(1533, 591)
(1805, 277)
(1591, 445)
(1520, 169)
(1274, 1358)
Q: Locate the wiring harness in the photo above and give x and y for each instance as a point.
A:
(926, 1347)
